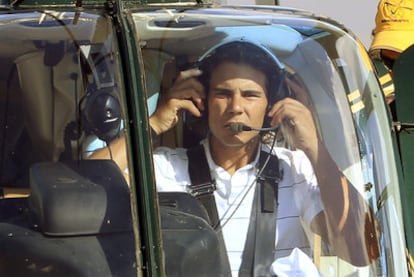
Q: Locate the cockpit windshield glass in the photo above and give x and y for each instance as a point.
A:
(63, 211)
(293, 133)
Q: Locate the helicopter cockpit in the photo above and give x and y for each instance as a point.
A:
(72, 86)
(325, 61)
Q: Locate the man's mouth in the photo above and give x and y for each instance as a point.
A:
(229, 124)
(235, 126)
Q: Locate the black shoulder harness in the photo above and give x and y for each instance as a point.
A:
(202, 186)
(259, 248)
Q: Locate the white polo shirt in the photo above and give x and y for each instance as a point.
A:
(299, 197)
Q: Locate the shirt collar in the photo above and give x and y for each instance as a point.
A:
(213, 166)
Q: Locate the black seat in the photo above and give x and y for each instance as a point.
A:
(76, 222)
(191, 246)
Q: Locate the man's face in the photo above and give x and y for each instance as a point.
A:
(237, 95)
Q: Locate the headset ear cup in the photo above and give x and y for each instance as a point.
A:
(267, 120)
(102, 114)
(277, 91)
(195, 128)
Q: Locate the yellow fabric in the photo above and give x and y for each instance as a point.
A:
(394, 28)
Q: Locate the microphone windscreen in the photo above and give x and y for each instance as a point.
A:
(237, 127)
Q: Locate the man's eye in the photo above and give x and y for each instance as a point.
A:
(252, 94)
(222, 93)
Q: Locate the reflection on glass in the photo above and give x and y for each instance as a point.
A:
(60, 213)
(248, 92)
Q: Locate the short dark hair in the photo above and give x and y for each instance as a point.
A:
(249, 53)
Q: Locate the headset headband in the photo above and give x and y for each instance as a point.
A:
(243, 40)
(277, 79)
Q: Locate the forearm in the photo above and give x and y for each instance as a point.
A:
(343, 203)
(115, 151)
(344, 211)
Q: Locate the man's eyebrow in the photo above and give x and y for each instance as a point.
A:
(221, 89)
(247, 91)
(251, 90)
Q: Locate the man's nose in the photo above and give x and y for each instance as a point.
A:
(235, 104)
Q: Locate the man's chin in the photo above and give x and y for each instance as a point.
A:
(238, 141)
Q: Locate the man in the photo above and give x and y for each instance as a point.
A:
(236, 86)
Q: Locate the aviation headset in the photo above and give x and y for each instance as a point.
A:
(100, 108)
(253, 53)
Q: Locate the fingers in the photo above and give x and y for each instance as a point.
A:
(187, 87)
(187, 93)
(187, 105)
(189, 73)
(299, 122)
(288, 110)
(167, 115)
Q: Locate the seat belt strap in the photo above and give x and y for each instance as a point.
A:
(202, 186)
(259, 249)
(269, 179)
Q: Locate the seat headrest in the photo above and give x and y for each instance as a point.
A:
(81, 198)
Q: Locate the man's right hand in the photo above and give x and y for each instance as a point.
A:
(187, 93)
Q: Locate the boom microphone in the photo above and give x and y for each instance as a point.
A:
(239, 127)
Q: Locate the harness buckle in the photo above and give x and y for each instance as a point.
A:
(272, 176)
(202, 189)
